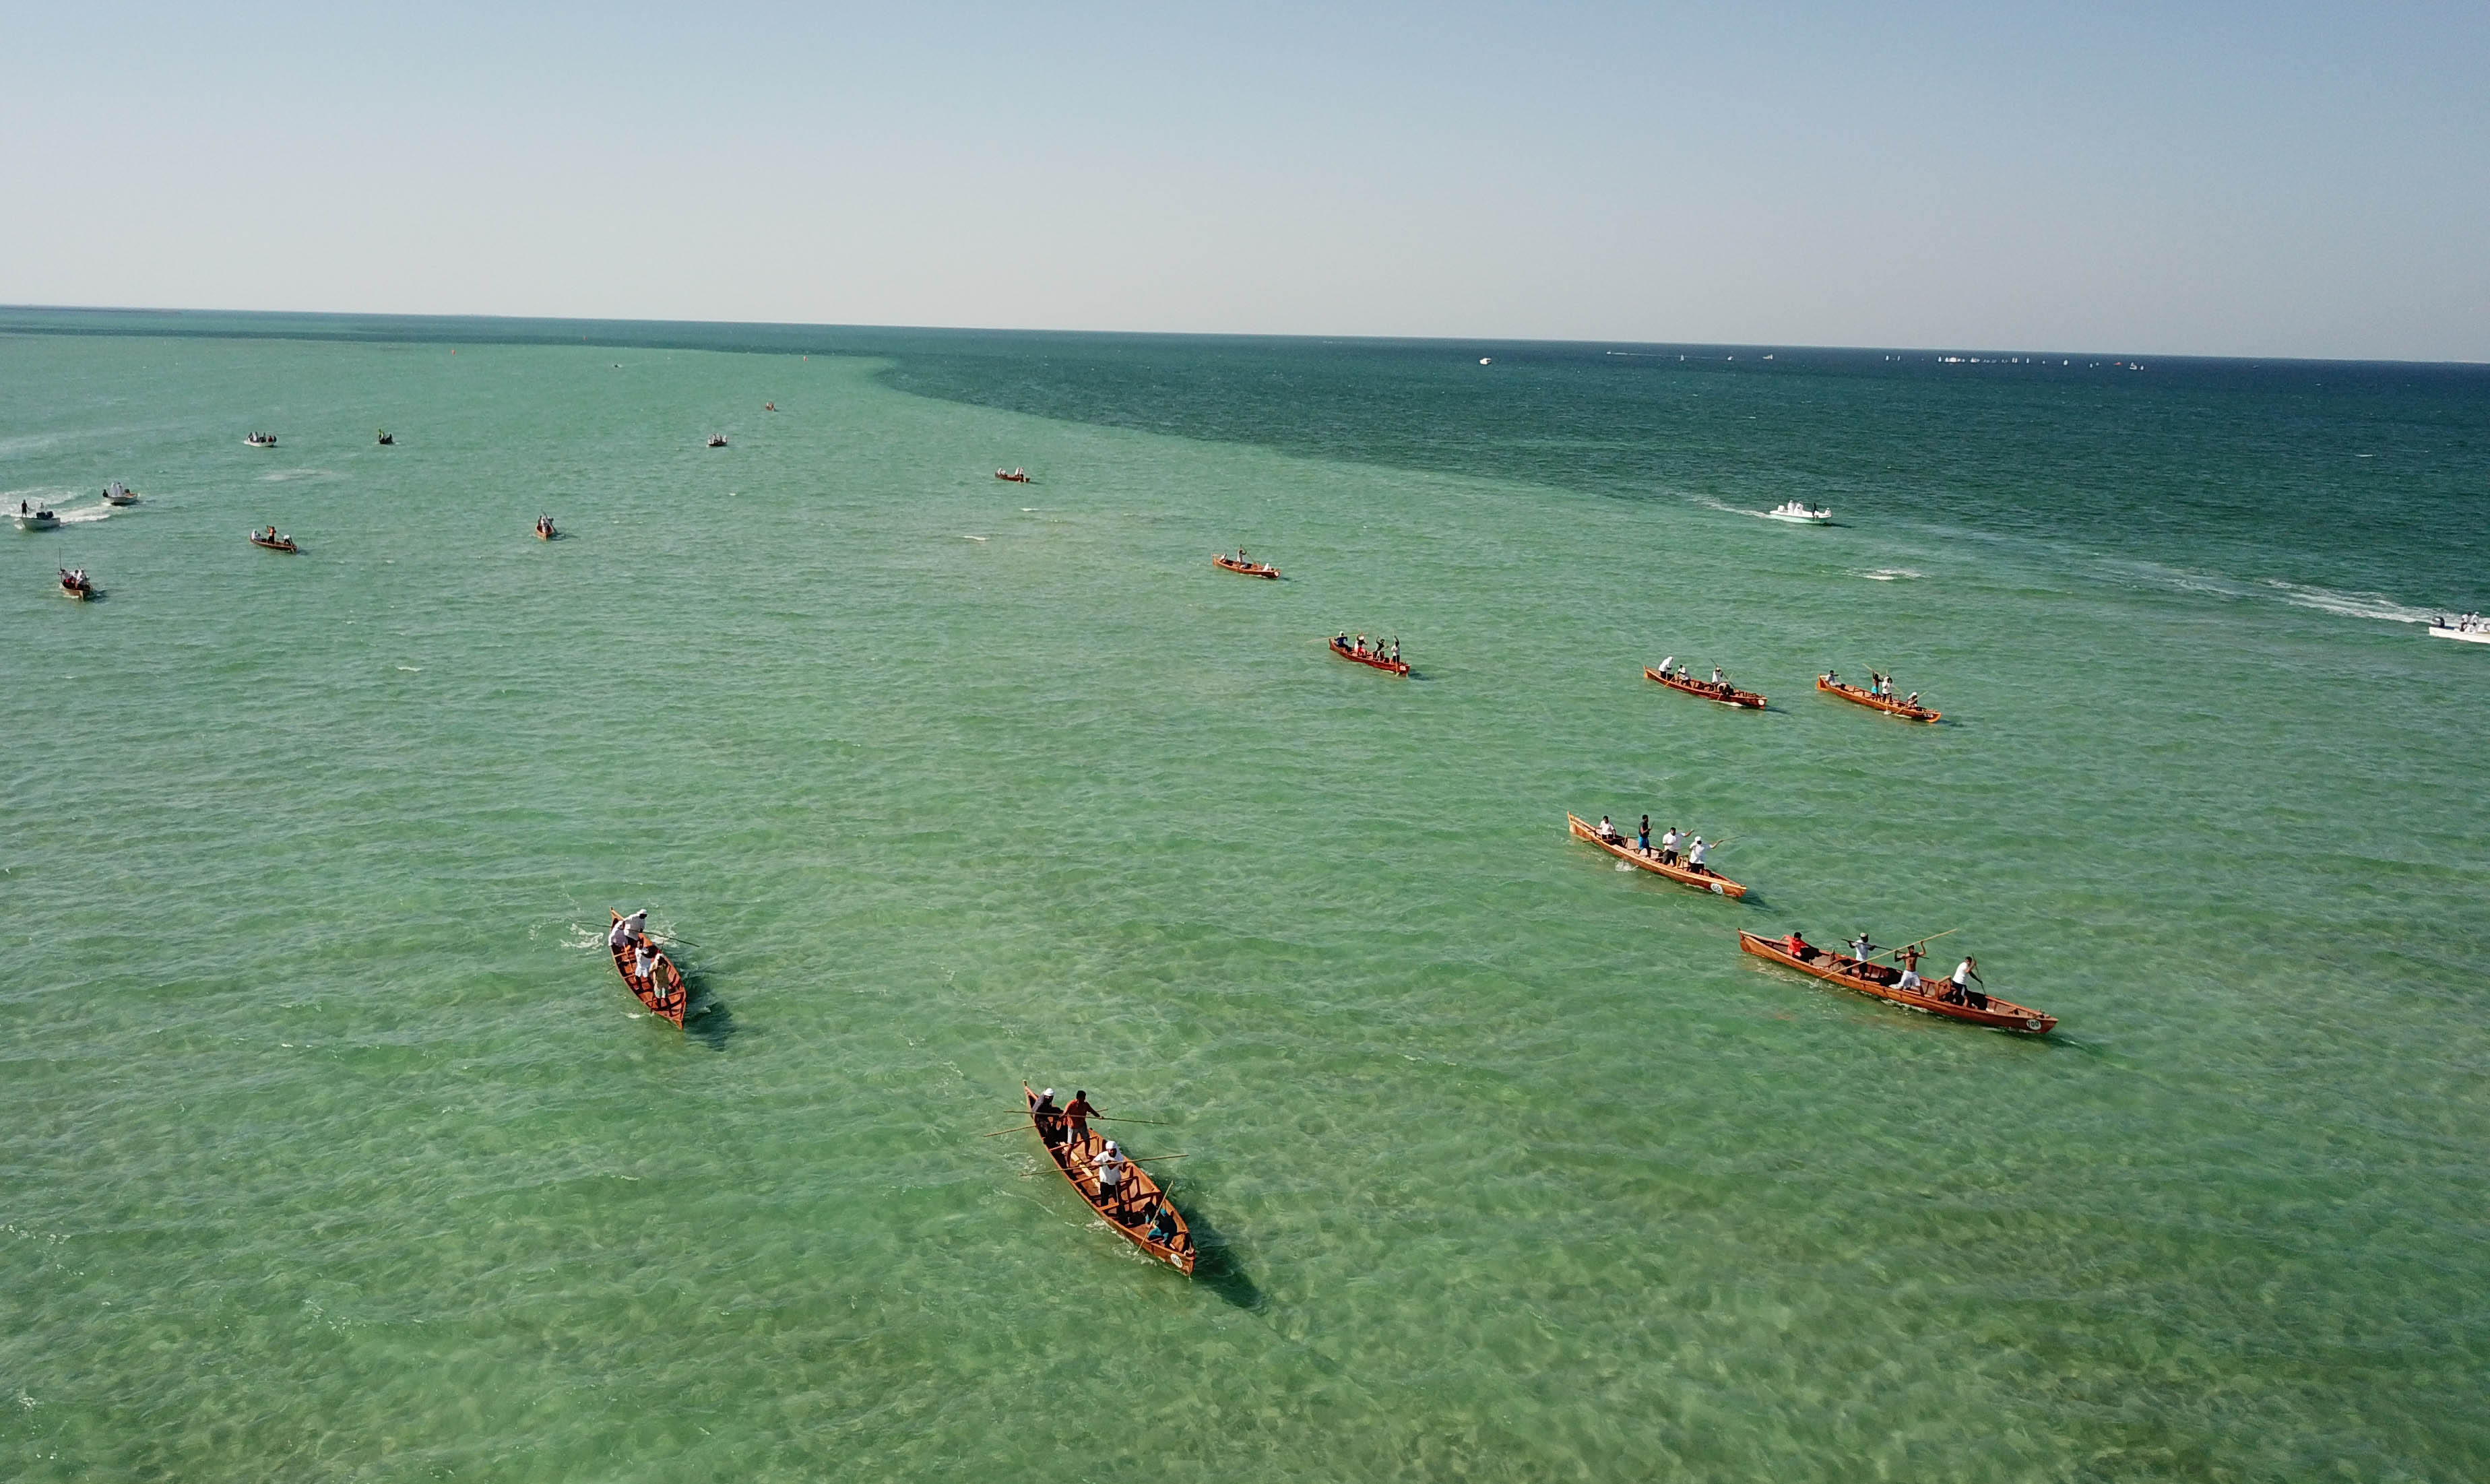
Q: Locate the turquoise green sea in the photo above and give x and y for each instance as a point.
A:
(334, 1149)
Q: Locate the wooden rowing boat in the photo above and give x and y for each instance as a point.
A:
(284, 543)
(78, 588)
(662, 991)
(1624, 850)
(1141, 1197)
(1882, 983)
(1724, 693)
(1377, 661)
(1869, 698)
(1249, 568)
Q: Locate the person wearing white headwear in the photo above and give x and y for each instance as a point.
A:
(1050, 1119)
(1695, 855)
(1110, 1165)
(628, 930)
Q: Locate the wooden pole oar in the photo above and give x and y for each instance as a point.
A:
(1896, 953)
(1015, 1128)
(1152, 1122)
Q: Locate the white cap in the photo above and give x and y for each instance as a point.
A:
(1049, 1092)
(1111, 1147)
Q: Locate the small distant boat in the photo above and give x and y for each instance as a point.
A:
(544, 529)
(770, 407)
(1724, 692)
(77, 584)
(117, 493)
(1883, 982)
(34, 517)
(661, 989)
(1864, 697)
(260, 441)
(1624, 850)
(1139, 1198)
(1240, 565)
(1016, 476)
(385, 436)
(1374, 658)
(718, 440)
(271, 541)
(2471, 628)
(1797, 513)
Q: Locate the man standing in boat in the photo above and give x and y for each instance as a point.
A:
(1966, 974)
(1694, 858)
(1110, 1165)
(1080, 1112)
(1668, 847)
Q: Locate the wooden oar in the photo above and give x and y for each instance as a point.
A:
(1896, 953)
(1153, 1123)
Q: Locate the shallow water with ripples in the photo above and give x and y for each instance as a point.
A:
(335, 1150)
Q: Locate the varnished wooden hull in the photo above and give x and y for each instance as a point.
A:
(1701, 881)
(1853, 693)
(1247, 568)
(1870, 979)
(1388, 666)
(1141, 1200)
(1746, 699)
(80, 591)
(286, 545)
(663, 993)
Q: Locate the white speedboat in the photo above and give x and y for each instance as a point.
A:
(2472, 628)
(1797, 513)
(34, 517)
(117, 493)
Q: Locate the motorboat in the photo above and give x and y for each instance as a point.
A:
(117, 493)
(1798, 513)
(34, 518)
(2470, 629)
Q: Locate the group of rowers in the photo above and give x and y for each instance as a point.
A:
(73, 578)
(1881, 686)
(1668, 853)
(545, 528)
(1066, 1132)
(1955, 989)
(1719, 680)
(1359, 650)
(631, 934)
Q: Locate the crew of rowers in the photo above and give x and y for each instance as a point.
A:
(631, 934)
(1358, 651)
(1684, 851)
(1881, 686)
(544, 527)
(262, 440)
(73, 578)
(1066, 1129)
(1719, 680)
(2465, 624)
(1955, 989)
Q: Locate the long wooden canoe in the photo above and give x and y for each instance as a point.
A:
(1869, 698)
(1724, 693)
(1377, 661)
(1624, 850)
(283, 544)
(1249, 568)
(1138, 1204)
(1881, 982)
(662, 991)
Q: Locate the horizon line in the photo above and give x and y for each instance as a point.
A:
(1987, 355)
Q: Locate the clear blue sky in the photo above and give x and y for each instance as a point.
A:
(2262, 180)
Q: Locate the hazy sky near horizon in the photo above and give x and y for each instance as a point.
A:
(2282, 179)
